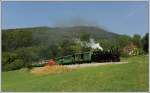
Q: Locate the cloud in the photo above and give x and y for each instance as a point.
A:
(131, 13)
(137, 9)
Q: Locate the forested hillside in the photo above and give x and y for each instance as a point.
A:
(25, 37)
(22, 46)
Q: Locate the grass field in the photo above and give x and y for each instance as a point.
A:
(132, 76)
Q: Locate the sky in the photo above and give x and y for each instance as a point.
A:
(120, 17)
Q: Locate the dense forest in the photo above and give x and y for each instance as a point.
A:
(23, 46)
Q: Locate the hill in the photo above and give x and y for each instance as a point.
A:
(23, 46)
(24, 37)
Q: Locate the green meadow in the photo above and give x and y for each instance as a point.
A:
(132, 76)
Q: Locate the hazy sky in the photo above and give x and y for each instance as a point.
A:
(119, 17)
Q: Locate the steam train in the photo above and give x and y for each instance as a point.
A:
(99, 56)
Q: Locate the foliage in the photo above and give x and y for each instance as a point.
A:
(136, 40)
(84, 36)
(8, 57)
(122, 41)
(105, 44)
(124, 54)
(17, 64)
(28, 54)
(27, 37)
(14, 39)
(10, 61)
(145, 43)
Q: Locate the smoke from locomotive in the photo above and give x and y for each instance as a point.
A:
(90, 44)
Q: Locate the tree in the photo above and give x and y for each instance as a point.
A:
(53, 50)
(12, 40)
(136, 40)
(26, 55)
(85, 36)
(145, 43)
(105, 44)
(122, 41)
(11, 61)
(8, 58)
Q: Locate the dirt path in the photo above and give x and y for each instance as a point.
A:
(66, 68)
(92, 64)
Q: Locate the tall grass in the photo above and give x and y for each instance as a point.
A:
(50, 69)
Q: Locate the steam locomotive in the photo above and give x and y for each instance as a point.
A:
(99, 56)
(91, 56)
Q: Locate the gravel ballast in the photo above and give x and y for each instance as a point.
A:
(93, 64)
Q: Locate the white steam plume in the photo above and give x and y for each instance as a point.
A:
(90, 44)
(94, 45)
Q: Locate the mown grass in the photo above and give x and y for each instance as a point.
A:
(132, 76)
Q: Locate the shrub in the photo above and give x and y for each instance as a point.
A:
(10, 61)
(8, 57)
(124, 54)
(16, 64)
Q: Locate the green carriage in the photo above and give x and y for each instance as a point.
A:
(75, 58)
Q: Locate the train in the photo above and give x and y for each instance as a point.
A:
(99, 56)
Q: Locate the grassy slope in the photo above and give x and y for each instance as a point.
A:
(132, 76)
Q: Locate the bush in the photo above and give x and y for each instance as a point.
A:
(16, 64)
(8, 57)
(11, 61)
(123, 54)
